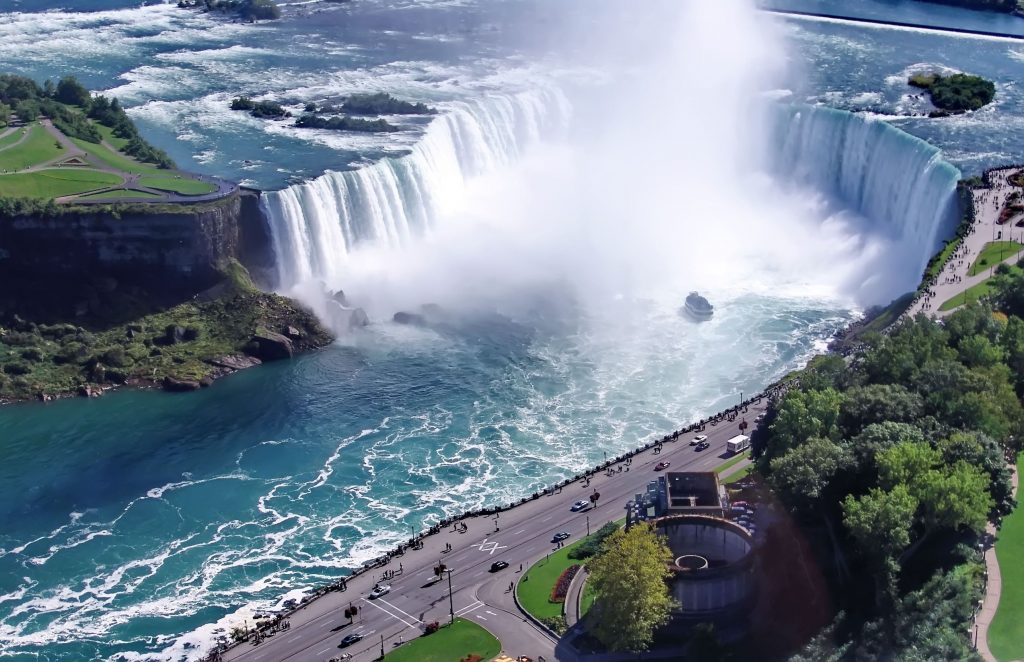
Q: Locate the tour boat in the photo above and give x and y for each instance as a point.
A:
(698, 307)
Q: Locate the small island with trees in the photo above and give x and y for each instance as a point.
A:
(247, 10)
(340, 116)
(955, 94)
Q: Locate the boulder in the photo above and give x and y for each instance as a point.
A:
(293, 333)
(358, 319)
(89, 391)
(339, 296)
(179, 385)
(402, 317)
(270, 346)
(235, 361)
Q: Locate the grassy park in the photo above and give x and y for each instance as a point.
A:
(728, 464)
(1006, 634)
(449, 644)
(534, 588)
(970, 294)
(38, 147)
(177, 185)
(53, 183)
(992, 254)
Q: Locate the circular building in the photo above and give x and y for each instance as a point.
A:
(713, 565)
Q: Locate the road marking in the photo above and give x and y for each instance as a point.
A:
(547, 518)
(519, 531)
(324, 650)
(490, 612)
(489, 547)
(481, 617)
(470, 607)
(399, 610)
(397, 618)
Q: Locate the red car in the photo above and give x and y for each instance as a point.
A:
(661, 465)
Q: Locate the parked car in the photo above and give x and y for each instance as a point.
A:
(741, 504)
(702, 446)
(499, 565)
(560, 536)
(580, 505)
(379, 590)
(700, 438)
(351, 639)
(661, 466)
(760, 417)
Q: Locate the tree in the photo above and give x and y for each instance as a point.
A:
(877, 403)
(71, 92)
(804, 472)
(5, 114)
(27, 111)
(879, 437)
(632, 596)
(803, 415)
(880, 522)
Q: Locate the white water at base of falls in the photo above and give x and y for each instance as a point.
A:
(316, 224)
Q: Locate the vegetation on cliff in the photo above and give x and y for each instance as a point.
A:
(261, 109)
(383, 104)
(894, 463)
(182, 347)
(956, 93)
(249, 10)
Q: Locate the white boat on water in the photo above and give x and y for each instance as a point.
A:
(698, 307)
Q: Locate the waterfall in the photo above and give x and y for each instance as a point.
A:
(898, 182)
(316, 224)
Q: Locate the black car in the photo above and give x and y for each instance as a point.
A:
(351, 639)
(702, 446)
(560, 536)
(499, 565)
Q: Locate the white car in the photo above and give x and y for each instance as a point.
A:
(699, 439)
(379, 590)
(580, 505)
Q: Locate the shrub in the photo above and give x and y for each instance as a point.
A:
(17, 368)
(431, 628)
(20, 338)
(591, 545)
(70, 353)
(555, 624)
(32, 354)
(561, 588)
(114, 356)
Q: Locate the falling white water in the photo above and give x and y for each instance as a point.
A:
(316, 224)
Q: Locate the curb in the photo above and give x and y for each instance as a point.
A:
(551, 634)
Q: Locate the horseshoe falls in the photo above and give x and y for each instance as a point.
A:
(898, 183)
(316, 224)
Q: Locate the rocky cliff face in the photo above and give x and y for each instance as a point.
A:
(162, 252)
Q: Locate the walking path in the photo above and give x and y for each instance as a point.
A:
(993, 588)
(953, 279)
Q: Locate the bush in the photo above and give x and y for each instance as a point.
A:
(20, 338)
(32, 354)
(73, 352)
(561, 588)
(17, 368)
(115, 357)
(383, 104)
(345, 123)
(591, 545)
(555, 624)
(431, 628)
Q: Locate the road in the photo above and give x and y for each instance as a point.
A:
(523, 537)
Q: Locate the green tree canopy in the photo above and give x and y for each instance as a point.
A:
(803, 415)
(71, 92)
(877, 403)
(632, 596)
(804, 472)
(880, 521)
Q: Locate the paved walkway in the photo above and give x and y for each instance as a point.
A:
(993, 588)
(953, 280)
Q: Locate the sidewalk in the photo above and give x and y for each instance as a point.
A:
(953, 279)
(992, 589)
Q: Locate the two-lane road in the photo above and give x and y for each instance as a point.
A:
(524, 535)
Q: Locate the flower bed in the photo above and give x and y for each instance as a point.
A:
(561, 588)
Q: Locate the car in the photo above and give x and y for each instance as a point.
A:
(760, 417)
(560, 536)
(741, 504)
(580, 505)
(351, 639)
(700, 438)
(661, 465)
(702, 446)
(379, 590)
(499, 565)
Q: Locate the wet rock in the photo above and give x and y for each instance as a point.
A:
(89, 391)
(235, 361)
(270, 346)
(179, 385)
(402, 317)
(358, 319)
(293, 333)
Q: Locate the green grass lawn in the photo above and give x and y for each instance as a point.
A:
(971, 294)
(1006, 634)
(118, 161)
(449, 644)
(183, 186)
(992, 254)
(54, 183)
(39, 147)
(587, 600)
(739, 474)
(11, 138)
(121, 194)
(108, 135)
(936, 265)
(720, 469)
(535, 587)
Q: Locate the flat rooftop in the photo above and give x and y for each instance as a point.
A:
(692, 489)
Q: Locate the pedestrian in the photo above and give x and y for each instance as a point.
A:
(510, 586)
(520, 567)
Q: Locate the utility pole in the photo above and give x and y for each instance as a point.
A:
(588, 525)
(451, 601)
(382, 647)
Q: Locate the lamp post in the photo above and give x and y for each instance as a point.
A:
(382, 647)
(451, 601)
(588, 525)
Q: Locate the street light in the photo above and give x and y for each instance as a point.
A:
(451, 601)
(588, 525)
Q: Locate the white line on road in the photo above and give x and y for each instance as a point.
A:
(547, 518)
(397, 618)
(324, 650)
(519, 531)
(470, 607)
(399, 610)
(490, 612)
(481, 617)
